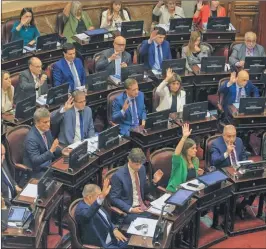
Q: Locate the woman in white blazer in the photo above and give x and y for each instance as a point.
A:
(114, 15)
(171, 94)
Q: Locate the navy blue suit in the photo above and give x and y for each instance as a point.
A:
(36, 155)
(125, 121)
(121, 194)
(148, 51)
(93, 227)
(230, 93)
(62, 73)
(218, 148)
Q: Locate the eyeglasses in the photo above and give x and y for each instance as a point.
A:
(251, 41)
(119, 44)
(82, 101)
(37, 66)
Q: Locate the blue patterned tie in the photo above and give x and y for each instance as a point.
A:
(81, 125)
(238, 95)
(159, 55)
(134, 113)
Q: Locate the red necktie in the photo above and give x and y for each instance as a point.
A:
(233, 158)
(142, 205)
(45, 140)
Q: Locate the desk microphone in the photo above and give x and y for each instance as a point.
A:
(178, 15)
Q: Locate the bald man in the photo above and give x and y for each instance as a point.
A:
(236, 88)
(32, 81)
(228, 149)
(113, 59)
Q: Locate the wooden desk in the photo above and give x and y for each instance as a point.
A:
(23, 238)
(139, 242)
(205, 201)
(245, 186)
(72, 181)
(17, 64)
(49, 56)
(242, 121)
(50, 203)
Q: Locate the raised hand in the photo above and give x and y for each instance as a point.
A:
(169, 74)
(43, 79)
(106, 188)
(160, 3)
(157, 176)
(199, 5)
(114, 56)
(153, 35)
(109, 15)
(24, 20)
(69, 103)
(54, 145)
(232, 78)
(126, 105)
(186, 131)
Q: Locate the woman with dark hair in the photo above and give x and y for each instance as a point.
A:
(204, 11)
(78, 21)
(7, 92)
(114, 15)
(171, 94)
(25, 29)
(185, 164)
(194, 51)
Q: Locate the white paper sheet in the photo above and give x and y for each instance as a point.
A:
(195, 181)
(236, 105)
(169, 209)
(140, 221)
(31, 190)
(42, 100)
(92, 144)
(160, 202)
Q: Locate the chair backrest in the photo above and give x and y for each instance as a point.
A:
(207, 149)
(15, 79)
(110, 98)
(15, 143)
(231, 47)
(60, 23)
(7, 29)
(49, 73)
(162, 159)
(155, 99)
(73, 226)
(220, 95)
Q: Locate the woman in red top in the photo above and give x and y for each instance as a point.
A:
(203, 12)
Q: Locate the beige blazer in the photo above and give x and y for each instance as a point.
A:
(166, 98)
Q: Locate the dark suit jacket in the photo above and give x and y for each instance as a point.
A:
(36, 155)
(102, 63)
(218, 148)
(93, 229)
(67, 122)
(264, 149)
(125, 121)
(230, 93)
(147, 49)
(121, 194)
(62, 73)
(26, 86)
(4, 186)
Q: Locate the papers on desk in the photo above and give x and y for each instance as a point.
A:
(31, 190)
(30, 49)
(196, 182)
(42, 100)
(156, 72)
(160, 202)
(92, 144)
(115, 78)
(236, 105)
(82, 36)
(157, 205)
(141, 221)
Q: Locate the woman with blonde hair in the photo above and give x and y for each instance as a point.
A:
(172, 96)
(7, 92)
(204, 11)
(78, 20)
(194, 51)
(114, 15)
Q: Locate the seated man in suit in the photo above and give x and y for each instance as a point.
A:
(249, 48)
(236, 88)
(94, 224)
(112, 59)
(75, 120)
(69, 69)
(128, 109)
(31, 81)
(129, 186)
(228, 150)
(40, 149)
(155, 50)
(9, 187)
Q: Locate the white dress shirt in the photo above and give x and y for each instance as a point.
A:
(134, 188)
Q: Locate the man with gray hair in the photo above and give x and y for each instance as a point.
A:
(32, 81)
(128, 109)
(129, 186)
(94, 223)
(40, 148)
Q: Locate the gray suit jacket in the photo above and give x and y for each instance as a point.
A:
(264, 149)
(239, 53)
(67, 123)
(26, 86)
(102, 63)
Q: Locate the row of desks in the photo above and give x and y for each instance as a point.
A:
(217, 39)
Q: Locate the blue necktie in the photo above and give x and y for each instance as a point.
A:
(134, 113)
(81, 125)
(8, 183)
(159, 56)
(238, 95)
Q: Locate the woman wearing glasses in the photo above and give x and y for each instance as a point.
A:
(25, 29)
